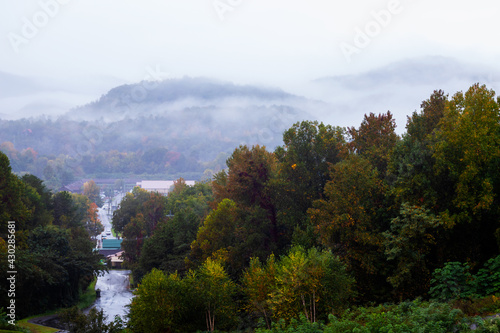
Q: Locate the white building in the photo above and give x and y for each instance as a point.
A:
(160, 186)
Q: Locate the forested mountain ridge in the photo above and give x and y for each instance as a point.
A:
(175, 127)
(202, 96)
(171, 90)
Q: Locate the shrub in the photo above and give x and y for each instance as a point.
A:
(4, 323)
(303, 325)
(451, 282)
(405, 317)
(487, 280)
(480, 306)
(93, 322)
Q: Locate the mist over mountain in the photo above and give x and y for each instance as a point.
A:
(219, 100)
(417, 71)
(199, 118)
(187, 123)
(399, 87)
(25, 96)
(13, 85)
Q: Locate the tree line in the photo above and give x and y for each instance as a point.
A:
(62, 169)
(53, 254)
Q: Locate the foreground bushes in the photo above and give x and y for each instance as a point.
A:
(308, 283)
(416, 316)
(455, 280)
(405, 317)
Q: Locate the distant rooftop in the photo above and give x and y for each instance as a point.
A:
(107, 252)
(160, 186)
(111, 244)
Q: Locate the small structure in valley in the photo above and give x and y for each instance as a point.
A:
(160, 186)
(111, 250)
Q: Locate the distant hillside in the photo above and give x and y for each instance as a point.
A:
(198, 118)
(13, 85)
(417, 71)
(168, 98)
(399, 87)
(178, 89)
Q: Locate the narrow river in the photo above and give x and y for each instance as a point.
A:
(115, 294)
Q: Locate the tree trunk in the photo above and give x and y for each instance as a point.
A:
(305, 307)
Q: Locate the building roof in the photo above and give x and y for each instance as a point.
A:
(156, 184)
(106, 252)
(160, 185)
(111, 244)
(75, 187)
(116, 257)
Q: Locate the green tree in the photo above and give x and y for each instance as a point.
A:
(169, 245)
(93, 322)
(374, 139)
(467, 150)
(40, 200)
(53, 270)
(308, 150)
(160, 304)
(215, 292)
(134, 236)
(154, 211)
(67, 213)
(412, 163)
(410, 240)
(171, 241)
(92, 191)
(12, 207)
(487, 279)
(130, 206)
(234, 235)
(311, 283)
(349, 220)
(258, 282)
(217, 233)
(251, 229)
(195, 197)
(246, 182)
(452, 281)
(469, 147)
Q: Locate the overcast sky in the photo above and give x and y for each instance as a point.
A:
(90, 46)
(240, 40)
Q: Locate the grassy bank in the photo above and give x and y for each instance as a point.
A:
(88, 297)
(85, 301)
(34, 328)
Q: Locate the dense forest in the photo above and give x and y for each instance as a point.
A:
(336, 230)
(387, 218)
(46, 241)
